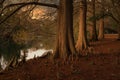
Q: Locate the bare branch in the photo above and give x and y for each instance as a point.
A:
(10, 14)
(32, 3)
(23, 5)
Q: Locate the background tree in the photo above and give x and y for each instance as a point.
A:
(93, 30)
(82, 36)
(115, 10)
(101, 22)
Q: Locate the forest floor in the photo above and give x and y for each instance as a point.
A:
(103, 64)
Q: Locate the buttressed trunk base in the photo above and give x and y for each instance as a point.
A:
(65, 42)
(82, 36)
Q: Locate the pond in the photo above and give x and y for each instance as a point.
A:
(4, 59)
(8, 52)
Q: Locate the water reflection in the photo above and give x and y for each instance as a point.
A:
(3, 63)
(31, 53)
(7, 52)
(4, 60)
(10, 50)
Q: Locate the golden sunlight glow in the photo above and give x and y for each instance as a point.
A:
(38, 13)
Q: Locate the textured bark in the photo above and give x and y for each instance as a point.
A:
(101, 29)
(65, 41)
(82, 37)
(93, 32)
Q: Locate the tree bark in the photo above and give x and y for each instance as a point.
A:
(101, 30)
(65, 41)
(94, 31)
(82, 36)
(101, 27)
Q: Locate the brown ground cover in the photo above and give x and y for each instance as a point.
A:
(103, 64)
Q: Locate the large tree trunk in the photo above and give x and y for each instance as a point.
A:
(65, 41)
(82, 36)
(101, 30)
(93, 32)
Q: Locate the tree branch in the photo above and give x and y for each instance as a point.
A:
(10, 14)
(2, 1)
(32, 3)
(23, 5)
